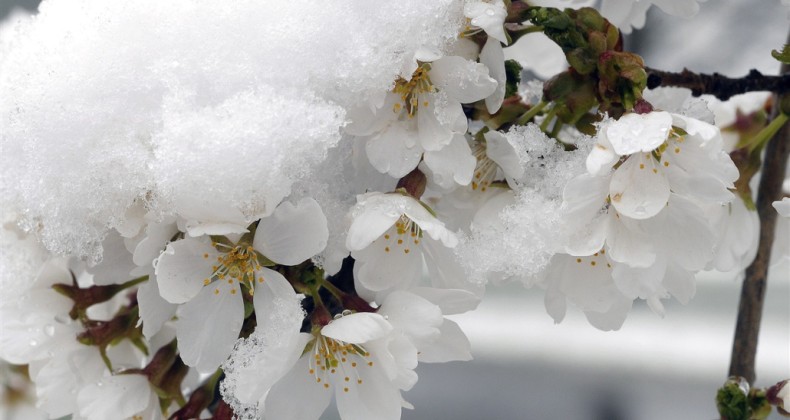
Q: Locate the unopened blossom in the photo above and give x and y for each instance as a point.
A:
(208, 278)
(392, 236)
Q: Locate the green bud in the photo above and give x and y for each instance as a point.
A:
(732, 399)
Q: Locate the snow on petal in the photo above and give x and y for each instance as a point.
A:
(634, 133)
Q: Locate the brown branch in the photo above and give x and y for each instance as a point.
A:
(718, 85)
(750, 309)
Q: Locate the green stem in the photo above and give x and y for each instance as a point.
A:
(337, 293)
(529, 115)
(758, 141)
(549, 117)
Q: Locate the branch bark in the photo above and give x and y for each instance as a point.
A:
(718, 85)
(750, 309)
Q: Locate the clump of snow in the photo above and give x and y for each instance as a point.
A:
(515, 234)
(104, 103)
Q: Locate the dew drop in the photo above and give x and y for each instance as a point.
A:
(490, 11)
(49, 330)
(63, 319)
(33, 343)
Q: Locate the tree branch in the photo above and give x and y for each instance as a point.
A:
(718, 85)
(750, 309)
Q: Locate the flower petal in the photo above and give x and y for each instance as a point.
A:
(183, 268)
(154, 310)
(463, 80)
(209, 324)
(453, 164)
(499, 149)
(634, 133)
(357, 328)
(390, 153)
(297, 396)
(639, 189)
(451, 345)
(292, 234)
(493, 57)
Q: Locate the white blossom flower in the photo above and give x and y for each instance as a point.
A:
(422, 114)
(364, 359)
(391, 237)
(207, 277)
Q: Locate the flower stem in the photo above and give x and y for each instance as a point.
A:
(529, 115)
(767, 133)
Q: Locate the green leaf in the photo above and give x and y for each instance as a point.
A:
(784, 55)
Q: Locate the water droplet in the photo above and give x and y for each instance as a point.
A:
(99, 384)
(490, 11)
(49, 330)
(63, 319)
(33, 343)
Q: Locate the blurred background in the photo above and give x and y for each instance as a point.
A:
(526, 367)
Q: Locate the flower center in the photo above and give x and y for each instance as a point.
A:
(410, 91)
(486, 169)
(334, 361)
(238, 264)
(402, 234)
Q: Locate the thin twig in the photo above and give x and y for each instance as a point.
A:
(718, 85)
(750, 309)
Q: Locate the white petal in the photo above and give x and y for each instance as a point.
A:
(444, 269)
(376, 398)
(277, 357)
(369, 224)
(493, 57)
(120, 396)
(416, 317)
(684, 232)
(154, 310)
(157, 236)
(297, 396)
(627, 243)
(453, 164)
(643, 282)
(612, 319)
(183, 267)
(207, 217)
(357, 328)
(292, 234)
(451, 345)
(499, 149)
(639, 189)
(462, 80)
(390, 153)
(450, 301)
(601, 157)
(209, 324)
(116, 263)
(378, 269)
(680, 283)
(634, 133)
(271, 288)
(435, 133)
(782, 207)
(489, 16)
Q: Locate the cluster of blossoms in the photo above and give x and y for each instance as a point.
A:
(245, 219)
